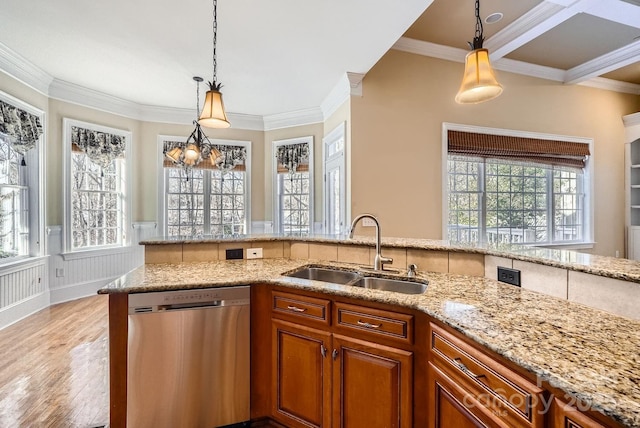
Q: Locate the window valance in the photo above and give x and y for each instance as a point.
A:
(20, 128)
(551, 152)
(293, 158)
(101, 147)
(232, 158)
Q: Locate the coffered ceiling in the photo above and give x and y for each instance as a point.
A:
(574, 41)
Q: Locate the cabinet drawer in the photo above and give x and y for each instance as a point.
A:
(496, 386)
(390, 325)
(300, 307)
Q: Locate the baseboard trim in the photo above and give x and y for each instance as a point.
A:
(77, 291)
(20, 310)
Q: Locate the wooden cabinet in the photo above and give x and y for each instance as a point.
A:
(323, 378)
(462, 375)
(567, 416)
(372, 385)
(301, 395)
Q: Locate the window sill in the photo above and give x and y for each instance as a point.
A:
(20, 263)
(566, 246)
(97, 252)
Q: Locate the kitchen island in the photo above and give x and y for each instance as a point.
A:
(584, 356)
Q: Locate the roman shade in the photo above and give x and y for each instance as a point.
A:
(19, 128)
(293, 158)
(551, 152)
(101, 147)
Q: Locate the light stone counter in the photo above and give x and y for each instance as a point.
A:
(590, 354)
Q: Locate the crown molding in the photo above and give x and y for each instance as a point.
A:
(631, 119)
(419, 47)
(337, 97)
(612, 85)
(294, 118)
(21, 69)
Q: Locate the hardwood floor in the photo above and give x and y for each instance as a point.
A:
(54, 367)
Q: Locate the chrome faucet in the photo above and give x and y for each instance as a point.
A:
(378, 261)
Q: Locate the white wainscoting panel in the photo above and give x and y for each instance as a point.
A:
(23, 290)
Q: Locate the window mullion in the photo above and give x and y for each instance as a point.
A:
(550, 207)
(206, 189)
(483, 201)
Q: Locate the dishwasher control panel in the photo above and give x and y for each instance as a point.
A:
(186, 299)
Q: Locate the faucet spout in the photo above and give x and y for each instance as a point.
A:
(379, 261)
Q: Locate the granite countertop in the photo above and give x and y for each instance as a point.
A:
(591, 355)
(611, 267)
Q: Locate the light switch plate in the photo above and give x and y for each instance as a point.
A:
(367, 222)
(254, 253)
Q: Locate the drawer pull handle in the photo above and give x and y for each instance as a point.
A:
(368, 325)
(466, 370)
(296, 309)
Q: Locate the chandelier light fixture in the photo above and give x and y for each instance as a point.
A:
(213, 114)
(197, 147)
(479, 82)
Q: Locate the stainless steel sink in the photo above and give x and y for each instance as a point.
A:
(398, 286)
(325, 275)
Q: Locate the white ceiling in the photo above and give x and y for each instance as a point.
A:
(273, 56)
(285, 56)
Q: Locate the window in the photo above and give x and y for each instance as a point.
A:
(97, 171)
(506, 196)
(207, 199)
(21, 218)
(293, 184)
(334, 190)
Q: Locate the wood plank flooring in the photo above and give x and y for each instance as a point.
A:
(54, 367)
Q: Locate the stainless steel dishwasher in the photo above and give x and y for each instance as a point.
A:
(188, 358)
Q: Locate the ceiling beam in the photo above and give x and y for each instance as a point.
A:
(610, 61)
(534, 23)
(617, 11)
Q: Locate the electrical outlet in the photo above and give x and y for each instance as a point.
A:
(234, 254)
(254, 253)
(367, 222)
(510, 276)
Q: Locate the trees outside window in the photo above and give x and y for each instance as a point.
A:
(97, 173)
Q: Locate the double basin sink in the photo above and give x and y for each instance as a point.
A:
(355, 279)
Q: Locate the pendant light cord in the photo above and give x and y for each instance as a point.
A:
(197, 99)
(215, 40)
(479, 38)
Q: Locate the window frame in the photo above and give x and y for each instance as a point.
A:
(275, 188)
(68, 123)
(35, 187)
(162, 180)
(588, 182)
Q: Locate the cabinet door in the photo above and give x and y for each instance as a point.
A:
(372, 385)
(566, 416)
(449, 405)
(301, 375)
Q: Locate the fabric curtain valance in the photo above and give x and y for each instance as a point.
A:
(551, 152)
(101, 147)
(293, 158)
(232, 158)
(20, 128)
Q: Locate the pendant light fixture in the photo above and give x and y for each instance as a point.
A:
(213, 114)
(479, 83)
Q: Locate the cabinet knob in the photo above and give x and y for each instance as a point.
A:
(323, 350)
(334, 354)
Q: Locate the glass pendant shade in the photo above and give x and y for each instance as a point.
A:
(214, 155)
(479, 83)
(213, 115)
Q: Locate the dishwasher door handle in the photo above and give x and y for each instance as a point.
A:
(184, 306)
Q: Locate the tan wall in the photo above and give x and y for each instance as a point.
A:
(317, 131)
(397, 139)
